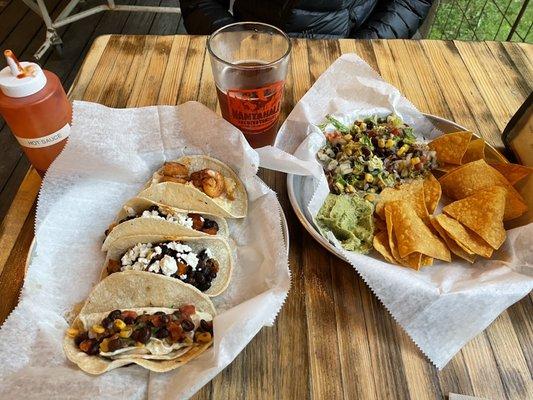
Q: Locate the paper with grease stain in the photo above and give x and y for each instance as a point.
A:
(443, 306)
(111, 153)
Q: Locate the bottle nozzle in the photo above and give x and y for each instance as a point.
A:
(13, 63)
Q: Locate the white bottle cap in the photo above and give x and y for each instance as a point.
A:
(20, 79)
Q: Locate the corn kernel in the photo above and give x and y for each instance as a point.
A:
(120, 324)
(203, 337)
(125, 333)
(139, 344)
(98, 329)
(348, 152)
(347, 137)
(370, 197)
(350, 189)
(369, 178)
(339, 186)
(362, 126)
(381, 143)
(415, 160)
(402, 150)
(72, 332)
(104, 346)
(389, 143)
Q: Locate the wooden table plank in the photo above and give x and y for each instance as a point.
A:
(502, 94)
(460, 91)
(333, 338)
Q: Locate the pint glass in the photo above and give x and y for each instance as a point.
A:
(249, 62)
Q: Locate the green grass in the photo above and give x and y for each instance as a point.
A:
(482, 20)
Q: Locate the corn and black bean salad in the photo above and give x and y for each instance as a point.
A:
(130, 331)
(372, 154)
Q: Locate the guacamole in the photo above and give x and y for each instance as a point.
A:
(349, 218)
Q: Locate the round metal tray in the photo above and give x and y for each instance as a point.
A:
(296, 183)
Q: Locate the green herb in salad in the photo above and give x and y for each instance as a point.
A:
(372, 154)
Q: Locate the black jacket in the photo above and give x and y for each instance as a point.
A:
(312, 18)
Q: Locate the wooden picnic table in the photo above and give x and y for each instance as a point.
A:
(333, 339)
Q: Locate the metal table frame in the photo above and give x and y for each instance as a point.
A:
(66, 17)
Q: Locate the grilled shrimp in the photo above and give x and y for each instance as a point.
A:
(175, 169)
(211, 182)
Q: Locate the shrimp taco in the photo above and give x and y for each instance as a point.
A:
(154, 321)
(141, 216)
(198, 183)
(203, 262)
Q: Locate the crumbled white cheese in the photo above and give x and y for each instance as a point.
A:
(168, 265)
(155, 267)
(137, 266)
(151, 214)
(140, 256)
(140, 249)
(189, 259)
(178, 218)
(179, 247)
(208, 253)
(181, 219)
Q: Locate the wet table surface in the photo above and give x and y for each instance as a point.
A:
(333, 339)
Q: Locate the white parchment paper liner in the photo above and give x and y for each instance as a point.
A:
(441, 307)
(110, 155)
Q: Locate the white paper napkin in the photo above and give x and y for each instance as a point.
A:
(109, 156)
(441, 307)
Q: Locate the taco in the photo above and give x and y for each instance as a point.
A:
(198, 183)
(203, 262)
(154, 321)
(142, 217)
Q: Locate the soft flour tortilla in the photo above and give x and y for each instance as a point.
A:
(218, 246)
(188, 197)
(135, 290)
(147, 226)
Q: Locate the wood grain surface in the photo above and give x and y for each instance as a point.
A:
(333, 339)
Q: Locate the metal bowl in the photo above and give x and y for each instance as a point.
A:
(296, 184)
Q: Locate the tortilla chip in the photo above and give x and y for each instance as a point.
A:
(426, 261)
(454, 247)
(451, 147)
(412, 235)
(446, 167)
(512, 172)
(483, 213)
(413, 260)
(412, 193)
(472, 177)
(432, 193)
(475, 151)
(381, 244)
(469, 241)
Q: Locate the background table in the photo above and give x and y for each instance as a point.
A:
(333, 339)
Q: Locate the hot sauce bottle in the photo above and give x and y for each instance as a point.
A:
(35, 106)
